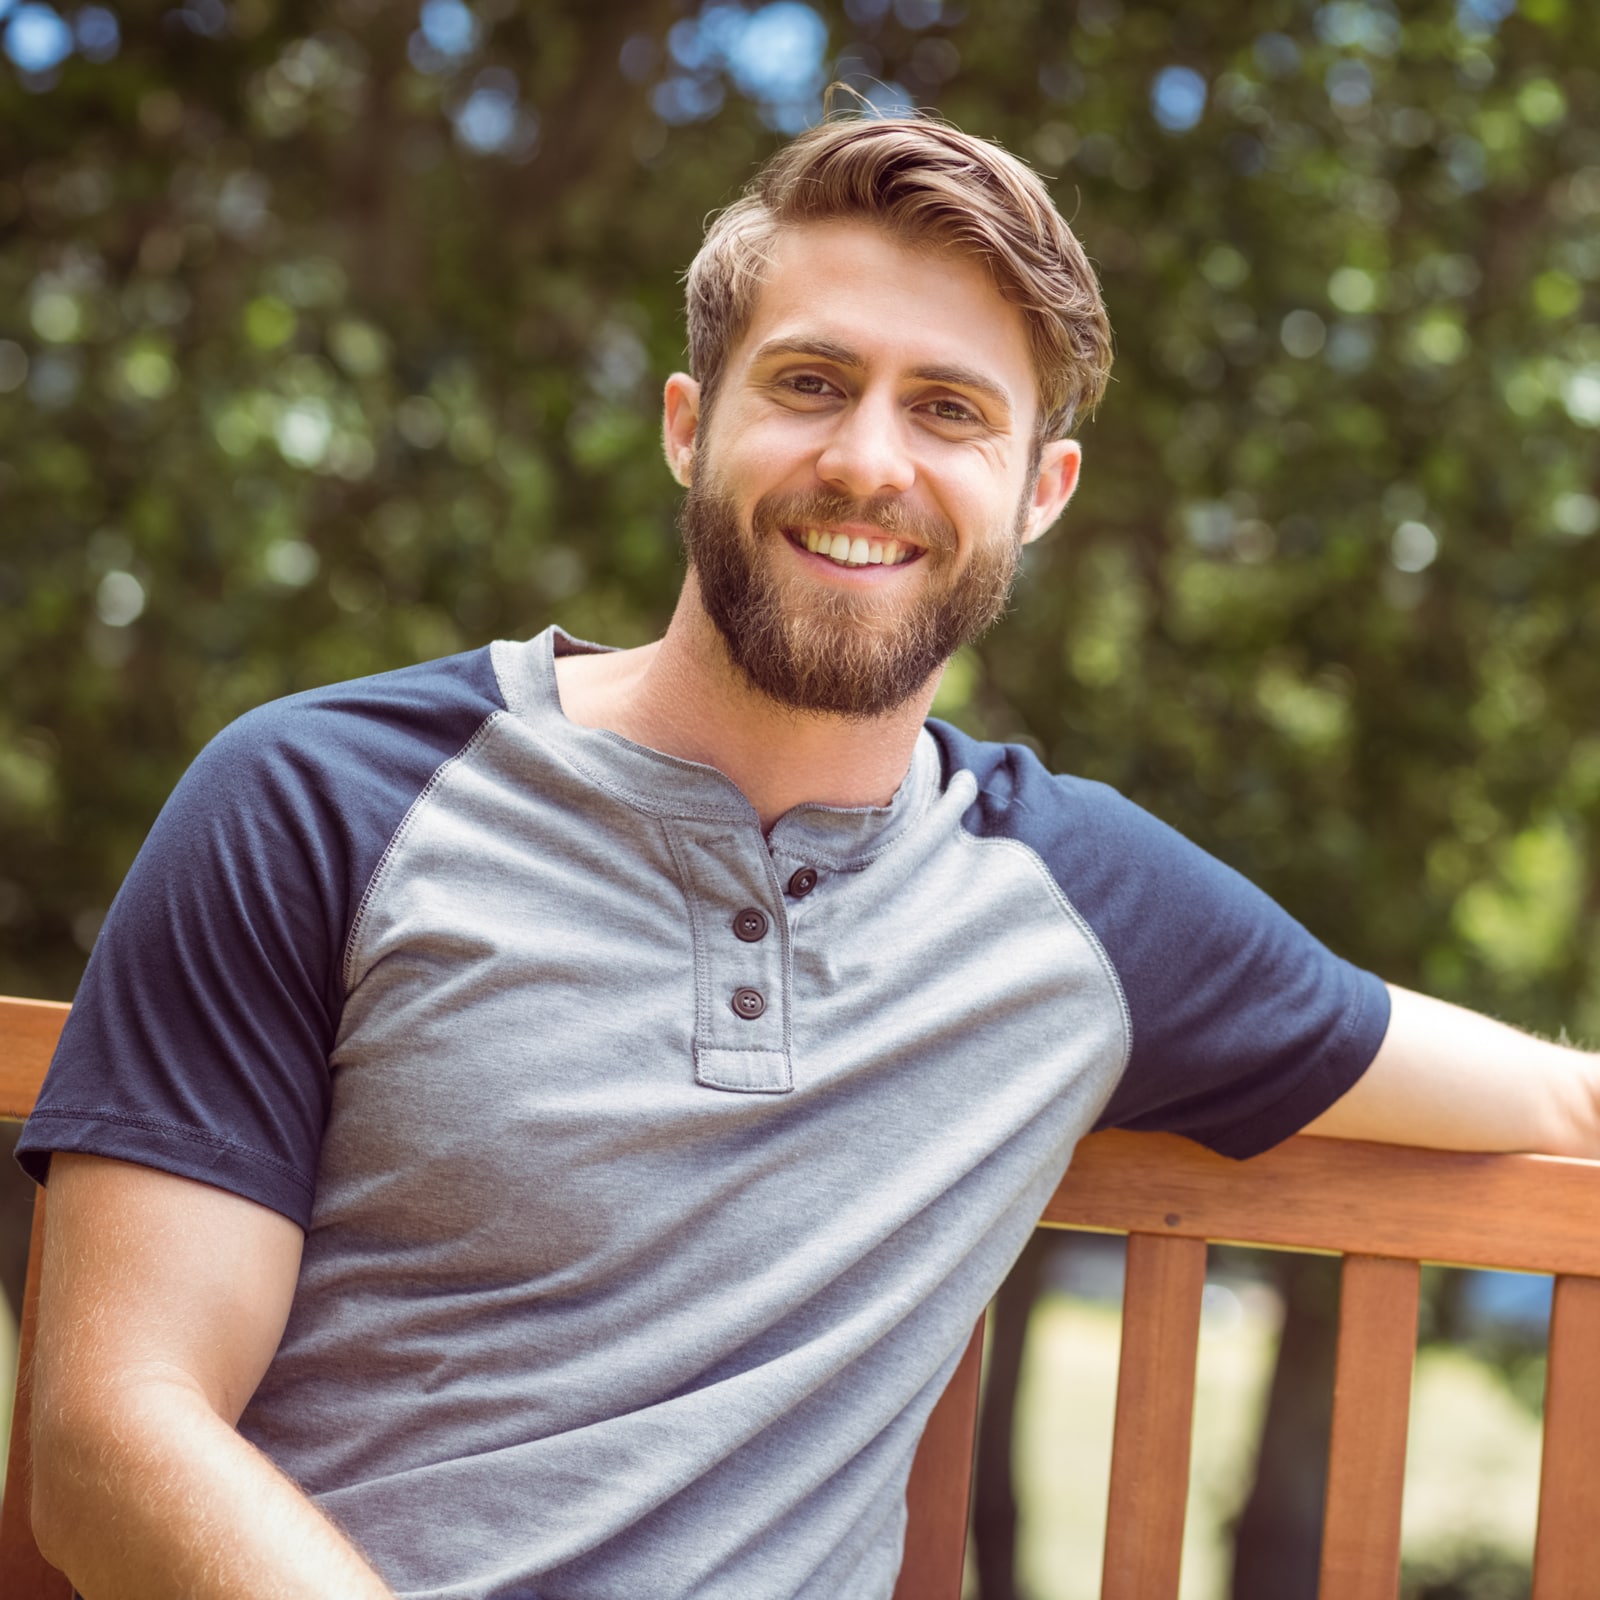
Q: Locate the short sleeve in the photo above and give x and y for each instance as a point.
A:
(1244, 1026)
(198, 1042)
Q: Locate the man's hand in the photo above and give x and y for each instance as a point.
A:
(1451, 1079)
(162, 1301)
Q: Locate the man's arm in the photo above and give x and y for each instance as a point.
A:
(1449, 1078)
(162, 1301)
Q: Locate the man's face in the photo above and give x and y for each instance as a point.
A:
(857, 508)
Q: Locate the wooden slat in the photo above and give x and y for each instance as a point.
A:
(28, 1033)
(1371, 1410)
(27, 1575)
(1569, 1485)
(1341, 1196)
(940, 1490)
(1155, 1410)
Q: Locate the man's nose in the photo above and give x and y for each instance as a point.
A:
(867, 452)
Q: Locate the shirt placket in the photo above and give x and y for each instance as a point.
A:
(741, 956)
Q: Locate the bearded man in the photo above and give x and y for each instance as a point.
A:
(543, 1123)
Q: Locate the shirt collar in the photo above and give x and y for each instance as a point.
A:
(840, 837)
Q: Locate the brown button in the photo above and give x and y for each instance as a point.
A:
(750, 925)
(803, 882)
(748, 1003)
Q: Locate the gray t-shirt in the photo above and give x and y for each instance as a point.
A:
(654, 1170)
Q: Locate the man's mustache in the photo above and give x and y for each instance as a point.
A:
(775, 512)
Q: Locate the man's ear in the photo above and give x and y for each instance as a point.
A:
(1059, 462)
(680, 424)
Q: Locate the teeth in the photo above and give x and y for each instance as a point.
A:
(857, 552)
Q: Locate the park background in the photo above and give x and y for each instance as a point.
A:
(332, 335)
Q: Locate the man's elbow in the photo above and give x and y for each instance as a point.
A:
(60, 1452)
(93, 1448)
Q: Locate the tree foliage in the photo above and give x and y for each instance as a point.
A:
(331, 339)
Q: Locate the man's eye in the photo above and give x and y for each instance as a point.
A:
(809, 383)
(953, 411)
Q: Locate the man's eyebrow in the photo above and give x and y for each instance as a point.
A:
(843, 356)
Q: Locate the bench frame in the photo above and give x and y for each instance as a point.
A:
(1384, 1209)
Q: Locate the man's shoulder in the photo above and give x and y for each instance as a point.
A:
(334, 768)
(430, 700)
(1017, 795)
(1112, 857)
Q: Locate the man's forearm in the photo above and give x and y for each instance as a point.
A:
(152, 1496)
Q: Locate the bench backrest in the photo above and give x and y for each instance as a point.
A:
(28, 1032)
(1384, 1209)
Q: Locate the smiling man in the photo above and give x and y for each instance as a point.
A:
(542, 1124)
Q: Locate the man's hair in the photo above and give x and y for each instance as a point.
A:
(930, 186)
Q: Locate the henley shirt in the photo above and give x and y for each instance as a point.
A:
(653, 1169)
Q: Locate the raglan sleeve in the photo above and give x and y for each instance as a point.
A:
(1243, 1026)
(198, 1041)
(200, 1037)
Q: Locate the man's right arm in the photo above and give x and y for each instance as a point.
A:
(162, 1301)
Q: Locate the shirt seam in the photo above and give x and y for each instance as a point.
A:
(1081, 924)
(196, 1136)
(358, 923)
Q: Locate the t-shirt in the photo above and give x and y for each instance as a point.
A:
(653, 1169)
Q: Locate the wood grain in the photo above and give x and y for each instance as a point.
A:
(28, 1033)
(1371, 1410)
(1522, 1213)
(940, 1490)
(1569, 1486)
(27, 1575)
(1155, 1410)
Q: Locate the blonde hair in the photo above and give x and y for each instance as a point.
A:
(927, 184)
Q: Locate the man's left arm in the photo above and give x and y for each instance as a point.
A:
(1449, 1078)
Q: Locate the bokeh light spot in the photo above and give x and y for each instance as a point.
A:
(37, 38)
(1178, 98)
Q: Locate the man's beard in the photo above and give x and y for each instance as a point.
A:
(851, 653)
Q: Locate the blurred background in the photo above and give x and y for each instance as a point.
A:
(331, 339)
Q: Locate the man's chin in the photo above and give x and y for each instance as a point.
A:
(823, 649)
(825, 667)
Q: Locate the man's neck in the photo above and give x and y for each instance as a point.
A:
(684, 697)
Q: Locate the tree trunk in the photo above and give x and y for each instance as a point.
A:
(1278, 1537)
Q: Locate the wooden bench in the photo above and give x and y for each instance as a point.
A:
(1384, 1209)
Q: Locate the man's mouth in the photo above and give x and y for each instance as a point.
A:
(855, 550)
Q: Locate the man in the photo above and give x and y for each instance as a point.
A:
(543, 1123)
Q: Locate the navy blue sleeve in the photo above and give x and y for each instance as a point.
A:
(1244, 1026)
(198, 1041)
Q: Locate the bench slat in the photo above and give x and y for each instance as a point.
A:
(27, 1575)
(28, 1033)
(1340, 1196)
(1569, 1486)
(1155, 1412)
(940, 1488)
(1371, 1409)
